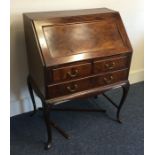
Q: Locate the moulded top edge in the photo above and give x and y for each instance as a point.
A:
(66, 13)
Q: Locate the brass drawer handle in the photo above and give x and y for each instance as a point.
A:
(110, 66)
(72, 88)
(73, 73)
(109, 80)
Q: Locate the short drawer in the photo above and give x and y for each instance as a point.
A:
(111, 64)
(68, 88)
(71, 72)
(110, 78)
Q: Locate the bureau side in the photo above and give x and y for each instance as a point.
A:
(35, 60)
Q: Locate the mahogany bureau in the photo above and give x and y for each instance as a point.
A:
(76, 54)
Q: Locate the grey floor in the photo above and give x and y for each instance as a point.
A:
(91, 133)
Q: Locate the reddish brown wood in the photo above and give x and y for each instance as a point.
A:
(64, 46)
(101, 32)
(110, 78)
(75, 38)
(76, 54)
(59, 14)
(57, 41)
(111, 64)
(74, 86)
(71, 72)
(34, 55)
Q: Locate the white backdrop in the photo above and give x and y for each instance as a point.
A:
(132, 15)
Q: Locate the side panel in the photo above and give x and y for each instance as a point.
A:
(35, 60)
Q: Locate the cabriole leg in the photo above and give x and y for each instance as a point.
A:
(31, 94)
(125, 92)
(46, 112)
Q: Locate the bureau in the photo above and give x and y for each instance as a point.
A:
(75, 54)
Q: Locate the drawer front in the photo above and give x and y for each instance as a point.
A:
(110, 78)
(111, 64)
(69, 87)
(71, 72)
(75, 86)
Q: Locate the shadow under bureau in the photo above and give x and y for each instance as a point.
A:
(76, 54)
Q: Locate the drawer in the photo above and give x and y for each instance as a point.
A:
(75, 86)
(71, 72)
(110, 78)
(111, 64)
(69, 87)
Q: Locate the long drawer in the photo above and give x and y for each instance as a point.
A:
(67, 88)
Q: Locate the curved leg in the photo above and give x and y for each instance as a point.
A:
(125, 92)
(46, 112)
(31, 94)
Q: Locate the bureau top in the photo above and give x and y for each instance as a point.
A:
(68, 36)
(68, 13)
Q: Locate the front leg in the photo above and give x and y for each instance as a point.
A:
(125, 92)
(31, 94)
(46, 112)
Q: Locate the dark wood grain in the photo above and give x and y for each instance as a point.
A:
(71, 72)
(69, 45)
(74, 86)
(77, 37)
(76, 54)
(71, 39)
(60, 14)
(35, 59)
(111, 64)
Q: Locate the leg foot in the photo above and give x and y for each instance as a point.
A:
(46, 111)
(125, 92)
(48, 145)
(119, 121)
